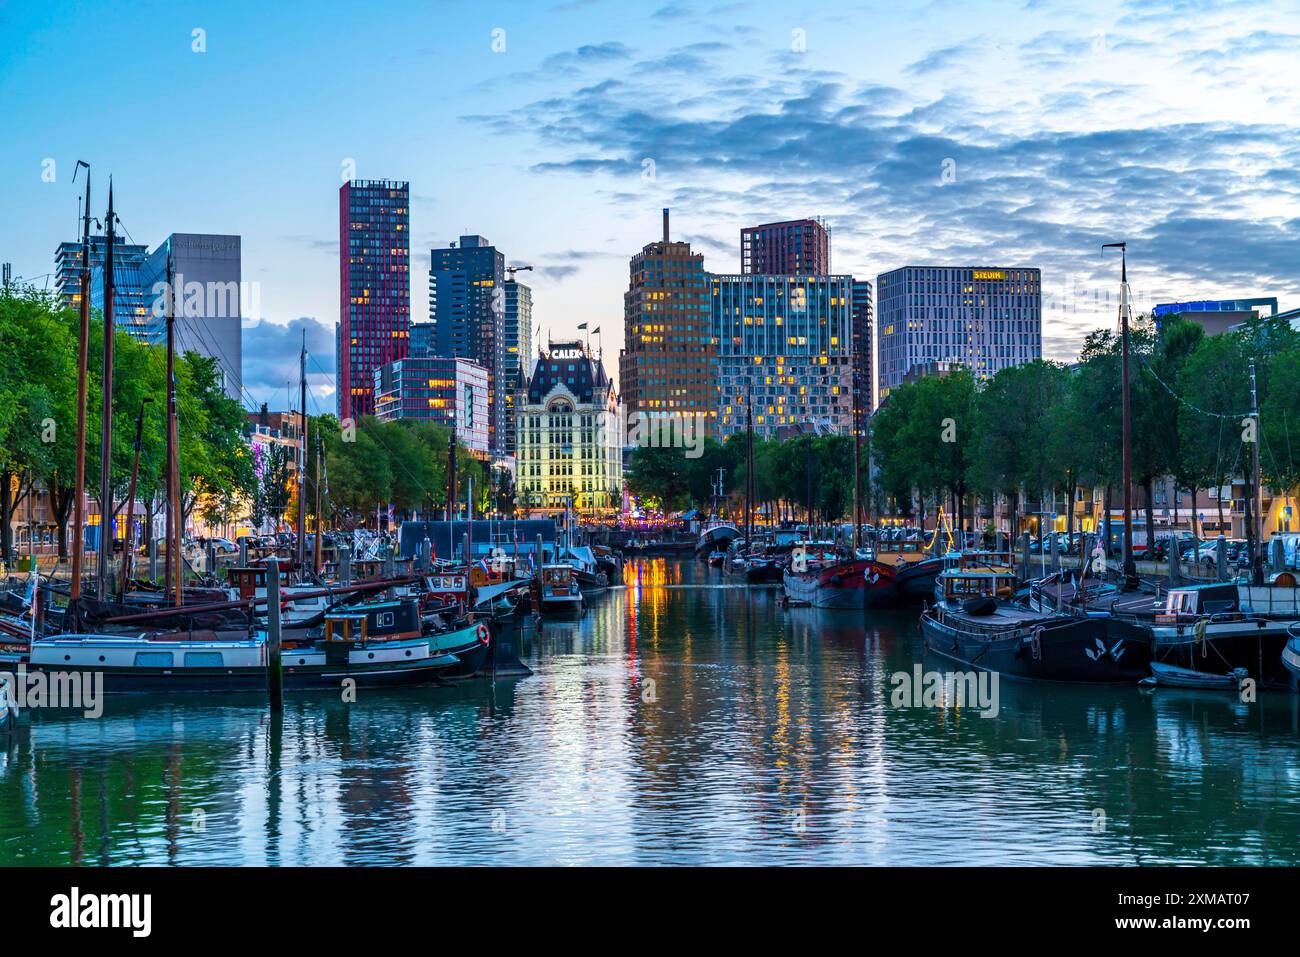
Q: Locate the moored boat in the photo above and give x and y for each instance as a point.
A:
(556, 591)
(1172, 676)
(973, 626)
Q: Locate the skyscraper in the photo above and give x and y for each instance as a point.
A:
(668, 362)
(209, 293)
(131, 297)
(785, 341)
(374, 287)
(207, 272)
(863, 339)
(985, 318)
(518, 349)
(467, 309)
(799, 247)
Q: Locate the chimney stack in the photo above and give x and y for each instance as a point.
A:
(665, 224)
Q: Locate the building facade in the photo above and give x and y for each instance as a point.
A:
(374, 287)
(570, 436)
(668, 361)
(863, 336)
(1217, 316)
(446, 391)
(785, 341)
(985, 318)
(467, 309)
(131, 299)
(209, 300)
(207, 273)
(421, 341)
(518, 348)
(795, 248)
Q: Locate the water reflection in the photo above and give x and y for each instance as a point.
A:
(676, 722)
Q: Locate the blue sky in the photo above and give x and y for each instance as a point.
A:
(1171, 124)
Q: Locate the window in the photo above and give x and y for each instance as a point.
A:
(199, 659)
(153, 659)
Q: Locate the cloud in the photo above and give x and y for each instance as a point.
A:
(270, 359)
(1042, 177)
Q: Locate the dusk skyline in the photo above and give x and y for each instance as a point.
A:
(1019, 134)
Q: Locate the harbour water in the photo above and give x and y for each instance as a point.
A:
(682, 720)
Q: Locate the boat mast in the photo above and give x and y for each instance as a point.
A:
(749, 468)
(102, 582)
(316, 556)
(173, 570)
(128, 550)
(302, 453)
(1257, 494)
(1130, 568)
(857, 465)
(451, 478)
(83, 336)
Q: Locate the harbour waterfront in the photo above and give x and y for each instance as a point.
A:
(682, 720)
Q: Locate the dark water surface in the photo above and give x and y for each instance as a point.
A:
(681, 721)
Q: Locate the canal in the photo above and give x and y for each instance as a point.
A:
(682, 720)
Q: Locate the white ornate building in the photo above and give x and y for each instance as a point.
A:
(569, 435)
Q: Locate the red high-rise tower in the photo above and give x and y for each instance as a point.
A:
(374, 287)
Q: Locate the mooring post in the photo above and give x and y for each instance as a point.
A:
(1221, 558)
(1175, 572)
(427, 547)
(243, 552)
(345, 563)
(274, 672)
(1024, 554)
(153, 557)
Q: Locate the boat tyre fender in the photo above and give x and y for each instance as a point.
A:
(1036, 643)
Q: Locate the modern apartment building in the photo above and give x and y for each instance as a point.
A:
(518, 349)
(794, 248)
(374, 287)
(467, 309)
(863, 339)
(130, 303)
(787, 342)
(983, 317)
(447, 391)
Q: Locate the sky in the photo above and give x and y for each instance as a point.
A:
(941, 133)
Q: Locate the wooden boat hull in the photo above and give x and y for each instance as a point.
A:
(843, 585)
(1076, 650)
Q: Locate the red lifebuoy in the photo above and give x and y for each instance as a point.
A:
(484, 633)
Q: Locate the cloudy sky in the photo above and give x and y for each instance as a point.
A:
(944, 133)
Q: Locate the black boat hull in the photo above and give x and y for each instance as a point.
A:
(1079, 650)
